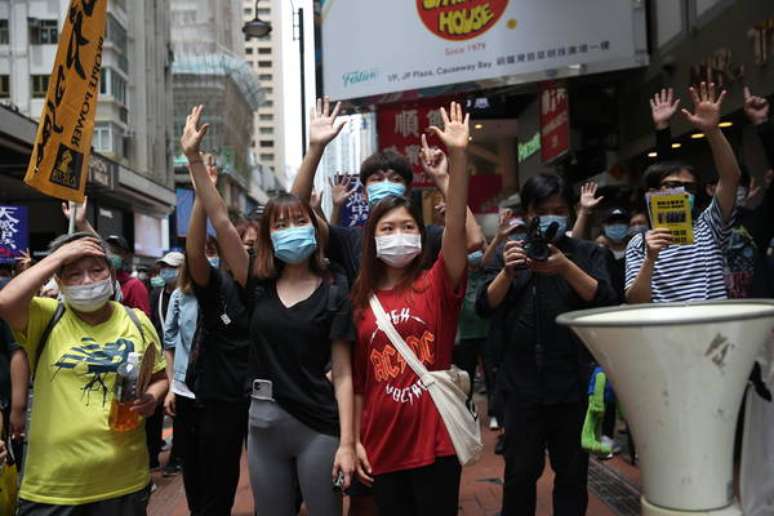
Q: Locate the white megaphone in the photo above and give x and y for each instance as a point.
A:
(679, 371)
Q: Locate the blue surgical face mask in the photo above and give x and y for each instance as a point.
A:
(157, 282)
(547, 220)
(616, 232)
(475, 258)
(383, 189)
(214, 261)
(294, 245)
(168, 275)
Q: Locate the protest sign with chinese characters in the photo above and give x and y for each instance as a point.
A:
(14, 232)
(355, 211)
(60, 156)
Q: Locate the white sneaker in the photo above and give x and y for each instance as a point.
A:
(493, 423)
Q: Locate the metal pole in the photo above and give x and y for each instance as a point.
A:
(303, 79)
(71, 222)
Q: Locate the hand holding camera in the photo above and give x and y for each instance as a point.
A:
(535, 252)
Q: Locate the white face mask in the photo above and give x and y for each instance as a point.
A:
(399, 249)
(88, 298)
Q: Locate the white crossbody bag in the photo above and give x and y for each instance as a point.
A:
(447, 389)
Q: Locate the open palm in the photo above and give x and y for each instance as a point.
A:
(193, 132)
(323, 126)
(706, 108)
(456, 130)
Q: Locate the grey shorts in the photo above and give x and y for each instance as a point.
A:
(132, 504)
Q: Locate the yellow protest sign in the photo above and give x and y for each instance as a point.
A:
(671, 210)
(58, 165)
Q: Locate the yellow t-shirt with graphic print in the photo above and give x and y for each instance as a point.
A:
(73, 456)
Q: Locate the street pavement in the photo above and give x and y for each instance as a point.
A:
(480, 492)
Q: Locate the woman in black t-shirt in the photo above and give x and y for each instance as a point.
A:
(300, 323)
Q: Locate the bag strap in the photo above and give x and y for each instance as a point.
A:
(58, 313)
(136, 321)
(385, 324)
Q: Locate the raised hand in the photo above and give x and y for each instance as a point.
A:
(77, 249)
(756, 108)
(456, 127)
(80, 211)
(663, 107)
(656, 240)
(342, 187)
(23, 261)
(212, 169)
(315, 200)
(193, 133)
(706, 106)
(433, 160)
(588, 198)
(323, 126)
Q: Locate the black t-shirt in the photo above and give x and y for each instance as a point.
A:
(159, 295)
(345, 247)
(223, 340)
(7, 346)
(292, 348)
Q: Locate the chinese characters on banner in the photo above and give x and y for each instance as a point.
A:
(58, 165)
(14, 232)
(355, 210)
(400, 128)
(554, 122)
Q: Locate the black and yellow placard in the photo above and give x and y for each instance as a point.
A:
(58, 165)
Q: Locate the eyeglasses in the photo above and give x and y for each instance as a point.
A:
(688, 186)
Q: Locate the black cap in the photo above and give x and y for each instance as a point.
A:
(617, 214)
(119, 241)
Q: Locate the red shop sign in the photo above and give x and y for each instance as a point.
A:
(554, 122)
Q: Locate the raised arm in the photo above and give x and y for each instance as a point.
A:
(323, 128)
(81, 222)
(588, 201)
(16, 296)
(705, 118)
(342, 188)
(455, 135)
(436, 164)
(663, 106)
(196, 239)
(231, 248)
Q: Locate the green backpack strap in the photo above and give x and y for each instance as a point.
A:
(58, 313)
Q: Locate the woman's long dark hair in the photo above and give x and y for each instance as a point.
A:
(267, 266)
(371, 267)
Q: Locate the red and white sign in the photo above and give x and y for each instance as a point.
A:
(554, 122)
(400, 128)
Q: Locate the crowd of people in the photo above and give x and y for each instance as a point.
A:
(286, 333)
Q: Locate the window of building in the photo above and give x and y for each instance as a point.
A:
(266, 157)
(265, 77)
(5, 86)
(264, 11)
(266, 130)
(268, 103)
(266, 118)
(117, 35)
(269, 91)
(248, 51)
(267, 144)
(43, 32)
(5, 37)
(118, 87)
(39, 86)
(264, 51)
(101, 140)
(103, 81)
(248, 11)
(264, 64)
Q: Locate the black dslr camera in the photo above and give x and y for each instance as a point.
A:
(536, 242)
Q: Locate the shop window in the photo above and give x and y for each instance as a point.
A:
(5, 86)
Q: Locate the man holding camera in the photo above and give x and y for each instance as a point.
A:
(545, 369)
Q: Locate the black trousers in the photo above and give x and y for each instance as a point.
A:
(210, 437)
(465, 356)
(530, 429)
(154, 426)
(432, 490)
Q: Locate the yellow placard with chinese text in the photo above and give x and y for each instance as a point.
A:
(672, 211)
(60, 155)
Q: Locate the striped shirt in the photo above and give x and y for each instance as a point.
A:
(684, 273)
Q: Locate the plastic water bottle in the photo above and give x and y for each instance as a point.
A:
(122, 419)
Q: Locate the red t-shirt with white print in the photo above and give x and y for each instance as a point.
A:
(401, 428)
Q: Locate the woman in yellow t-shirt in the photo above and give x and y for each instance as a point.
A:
(74, 459)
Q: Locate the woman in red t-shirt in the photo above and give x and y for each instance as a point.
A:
(403, 445)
